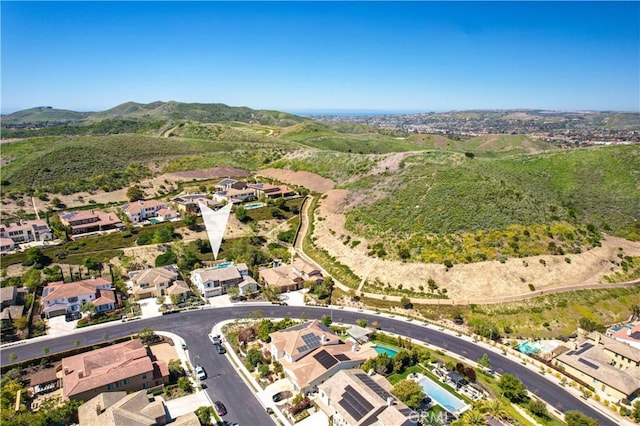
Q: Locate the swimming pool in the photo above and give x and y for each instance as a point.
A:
(385, 350)
(528, 348)
(254, 206)
(440, 396)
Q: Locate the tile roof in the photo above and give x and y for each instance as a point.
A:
(105, 297)
(305, 267)
(61, 290)
(178, 287)
(7, 293)
(617, 347)
(118, 408)
(136, 207)
(292, 339)
(43, 376)
(100, 367)
(218, 274)
(154, 276)
(281, 276)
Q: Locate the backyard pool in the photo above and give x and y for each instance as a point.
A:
(440, 396)
(385, 350)
(254, 206)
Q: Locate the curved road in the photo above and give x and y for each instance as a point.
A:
(225, 384)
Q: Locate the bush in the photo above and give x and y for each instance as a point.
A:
(302, 405)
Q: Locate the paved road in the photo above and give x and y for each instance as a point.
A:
(243, 407)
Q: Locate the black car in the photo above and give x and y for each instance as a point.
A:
(71, 316)
(220, 408)
(221, 349)
(277, 397)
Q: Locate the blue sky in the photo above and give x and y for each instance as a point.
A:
(293, 56)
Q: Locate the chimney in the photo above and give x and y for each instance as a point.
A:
(354, 347)
(80, 374)
(98, 409)
(323, 339)
(628, 332)
(598, 339)
(389, 402)
(66, 370)
(371, 372)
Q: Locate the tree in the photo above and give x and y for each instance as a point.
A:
(92, 264)
(538, 408)
(147, 335)
(176, 298)
(472, 418)
(190, 220)
(241, 214)
(361, 323)
(89, 308)
(36, 258)
(135, 193)
(31, 279)
(233, 292)
(166, 258)
(265, 327)
(405, 302)
(175, 368)
(254, 357)
(185, 384)
(409, 392)
(484, 361)
(326, 320)
(577, 418)
(485, 328)
(512, 388)
(20, 323)
(635, 414)
(205, 413)
(277, 213)
(494, 407)
(55, 202)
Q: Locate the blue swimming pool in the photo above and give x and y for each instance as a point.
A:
(254, 205)
(528, 348)
(388, 351)
(440, 395)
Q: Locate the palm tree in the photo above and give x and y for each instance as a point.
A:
(472, 418)
(493, 407)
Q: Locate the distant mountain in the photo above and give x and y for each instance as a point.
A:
(205, 113)
(44, 114)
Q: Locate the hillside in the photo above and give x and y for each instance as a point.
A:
(155, 111)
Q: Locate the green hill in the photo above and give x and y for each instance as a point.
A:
(41, 115)
(451, 204)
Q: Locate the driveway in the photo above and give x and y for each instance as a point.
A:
(220, 301)
(149, 308)
(59, 327)
(186, 404)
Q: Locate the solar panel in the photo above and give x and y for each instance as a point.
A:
(374, 386)
(587, 363)
(583, 349)
(325, 359)
(354, 403)
(342, 357)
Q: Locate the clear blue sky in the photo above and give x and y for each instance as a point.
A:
(292, 56)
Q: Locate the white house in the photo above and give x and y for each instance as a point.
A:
(142, 210)
(216, 280)
(26, 231)
(59, 298)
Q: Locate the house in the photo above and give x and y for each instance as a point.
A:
(44, 381)
(353, 398)
(228, 183)
(310, 353)
(9, 314)
(216, 280)
(188, 203)
(267, 190)
(289, 277)
(247, 286)
(59, 297)
(141, 210)
(359, 334)
(118, 408)
(179, 288)
(610, 366)
(127, 366)
(8, 296)
(235, 196)
(26, 231)
(86, 221)
(627, 333)
(153, 282)
(6, 245)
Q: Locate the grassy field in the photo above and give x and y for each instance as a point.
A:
(462, 205)
(336, 166)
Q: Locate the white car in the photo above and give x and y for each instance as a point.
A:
(214, 339)
(200, 373)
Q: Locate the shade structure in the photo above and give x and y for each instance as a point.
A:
(216, 222)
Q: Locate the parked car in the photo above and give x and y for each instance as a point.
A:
(221, 349)
(220, 408)
(277, 397)
(200, 373)
(214, 339)
(72, 316)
